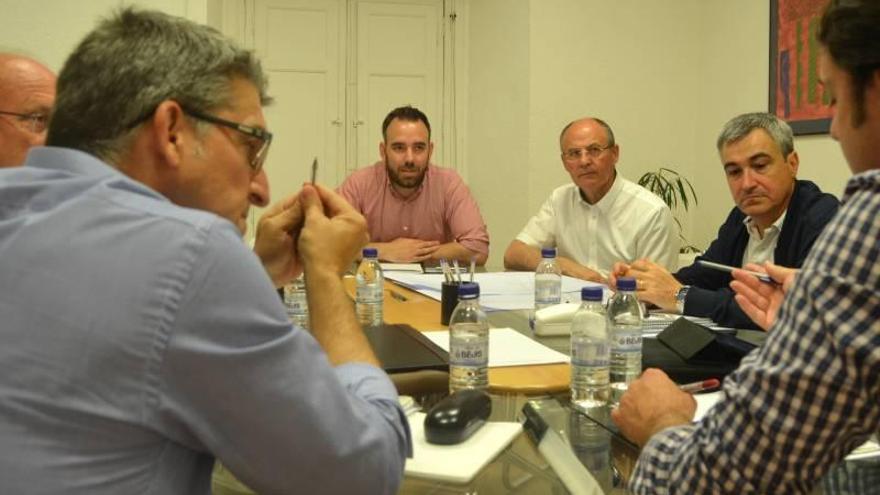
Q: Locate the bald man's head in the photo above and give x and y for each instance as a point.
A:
(27, 92)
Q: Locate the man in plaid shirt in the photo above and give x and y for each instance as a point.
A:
(811, 394)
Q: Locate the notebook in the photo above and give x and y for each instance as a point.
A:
(401, 348)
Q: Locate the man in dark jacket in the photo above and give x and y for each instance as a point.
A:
(777, 218)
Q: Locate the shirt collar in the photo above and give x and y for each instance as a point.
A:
(608, 199)
(752, 229)
(81, 163)
(69, 159)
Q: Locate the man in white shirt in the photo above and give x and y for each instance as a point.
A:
(598, 219)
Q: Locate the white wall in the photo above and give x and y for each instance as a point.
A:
(666, 75)
(48, 30)
(498, 117)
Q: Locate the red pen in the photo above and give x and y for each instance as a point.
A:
(700, 386)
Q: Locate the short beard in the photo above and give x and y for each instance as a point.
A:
(413, 183)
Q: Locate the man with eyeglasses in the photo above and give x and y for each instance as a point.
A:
(142, 340)
(598, 219)
(776, 218)
(27, 90)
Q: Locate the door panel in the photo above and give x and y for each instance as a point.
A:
(399, 62)
(299, 44)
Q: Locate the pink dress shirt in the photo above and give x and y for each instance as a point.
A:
(442, 209)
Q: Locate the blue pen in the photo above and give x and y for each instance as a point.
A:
(763, 277)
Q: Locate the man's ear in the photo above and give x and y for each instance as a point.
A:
(793, 161)
(382, 150)
(172, 132)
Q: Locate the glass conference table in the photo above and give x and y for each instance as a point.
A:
(521, 467)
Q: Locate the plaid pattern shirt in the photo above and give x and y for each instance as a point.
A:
(811, 394)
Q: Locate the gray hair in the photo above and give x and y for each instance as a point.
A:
(608, 132)
(741, 125)
(133, 61)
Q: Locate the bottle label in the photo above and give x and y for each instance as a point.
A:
(369, 293)
(297, 305)
(627, 342)
(591, 354)
(469, 354)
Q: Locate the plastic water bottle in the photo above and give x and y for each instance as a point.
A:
(590, 352)
(296, 302)
(370, 289)
(548, 280)
(468, 341)
(625, 319)
(592, 445)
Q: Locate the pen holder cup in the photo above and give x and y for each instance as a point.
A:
(448, 300)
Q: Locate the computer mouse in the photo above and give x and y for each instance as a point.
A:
(455, 418)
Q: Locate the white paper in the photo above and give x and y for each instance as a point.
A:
(458, 463)
(507, 347)
(498, 291)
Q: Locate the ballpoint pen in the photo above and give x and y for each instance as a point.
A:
(397, 295)
(763, 277)
(314, 169)
(702, 386)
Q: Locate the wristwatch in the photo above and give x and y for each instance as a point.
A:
(680, 296)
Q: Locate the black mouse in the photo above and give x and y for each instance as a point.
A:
(457, 417)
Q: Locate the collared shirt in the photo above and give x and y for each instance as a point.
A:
(442, 209)
(795, 407)
(141, 340)
(627, 224)
(761, 246)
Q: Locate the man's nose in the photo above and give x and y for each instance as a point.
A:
(748, 179)
(259, 192)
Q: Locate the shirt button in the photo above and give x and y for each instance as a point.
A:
(405, 227)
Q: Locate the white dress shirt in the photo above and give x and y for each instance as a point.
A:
(627, 224)
(761, 247)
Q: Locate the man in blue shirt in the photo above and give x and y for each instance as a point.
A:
(141, 338)
(811, 394)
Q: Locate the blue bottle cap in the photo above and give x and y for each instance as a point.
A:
(626, 283)
(469, 290)
(370, 252)
(590, 293)
(548, 252)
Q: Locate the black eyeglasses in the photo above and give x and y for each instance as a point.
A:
(35, 122)
(265, 137)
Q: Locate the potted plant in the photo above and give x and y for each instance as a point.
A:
(677, 192)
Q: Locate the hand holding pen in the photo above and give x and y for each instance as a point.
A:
(761, 301)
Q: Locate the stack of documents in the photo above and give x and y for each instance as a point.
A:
(498, 291)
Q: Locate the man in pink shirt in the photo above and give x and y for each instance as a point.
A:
(415, 210)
